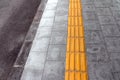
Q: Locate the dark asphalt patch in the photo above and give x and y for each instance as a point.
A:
(15, 20)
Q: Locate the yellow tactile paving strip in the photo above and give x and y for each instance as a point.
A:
(76, 67)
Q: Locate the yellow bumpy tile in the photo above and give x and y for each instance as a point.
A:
(76, 65)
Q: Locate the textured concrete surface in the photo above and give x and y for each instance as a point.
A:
(101, 20)
(102, 31)
(46, 60)
(15, 19)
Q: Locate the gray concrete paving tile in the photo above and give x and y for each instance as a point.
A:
(60, 24)
(56, 52)
(38, 58)
(113, 44)
(51, 6)
(97, 53)
(116, 14)
(115, 7)
(87, 1)
(114, 56)
(59, 33)
(43, 34)
(66, 1)
(58, 37)
(61, 18)
(52, 1)
(110, 30)
(63, 4)
(103, 11)
(54, 70)
(103, 71)
(88, 16)
(40, 44)
(91, 71)
(34, 66)
(88, 7)
(60, 28)
(107, 71)
(109, 4)
(118, 23)
(92, 25)
(102, 4)
(58, 40)
(64, 29)
(116, 1)
(104, 1)
(93, 37)
(61, 12)
(31, 74)
(48, 13)
(106, 20)
(43, 28)
(103, 57)
(46, 22)
(63, 8)
(116, 68)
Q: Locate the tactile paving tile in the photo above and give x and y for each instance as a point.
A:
(76, 66)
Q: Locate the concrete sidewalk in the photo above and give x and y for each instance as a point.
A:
(47, 56)
(46, 60)
(102, 30)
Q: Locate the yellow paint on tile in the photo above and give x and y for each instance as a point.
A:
(72, 44)
(76, 21)
(83, 61)
(80, 21)
(84, 76)
(77, 47)
(76, 12)
(77, 76)
(68, 44)
(72, 61)
(66, 75)
(77, 62)
(81, 31)
(72, 31)
(82, 45)
(67, 61)
(69, 20)
(69, 31)
(72, 21)
(76, 66)
(76, 31)
(72, 76)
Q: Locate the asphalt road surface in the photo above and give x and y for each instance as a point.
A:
(15, 19)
